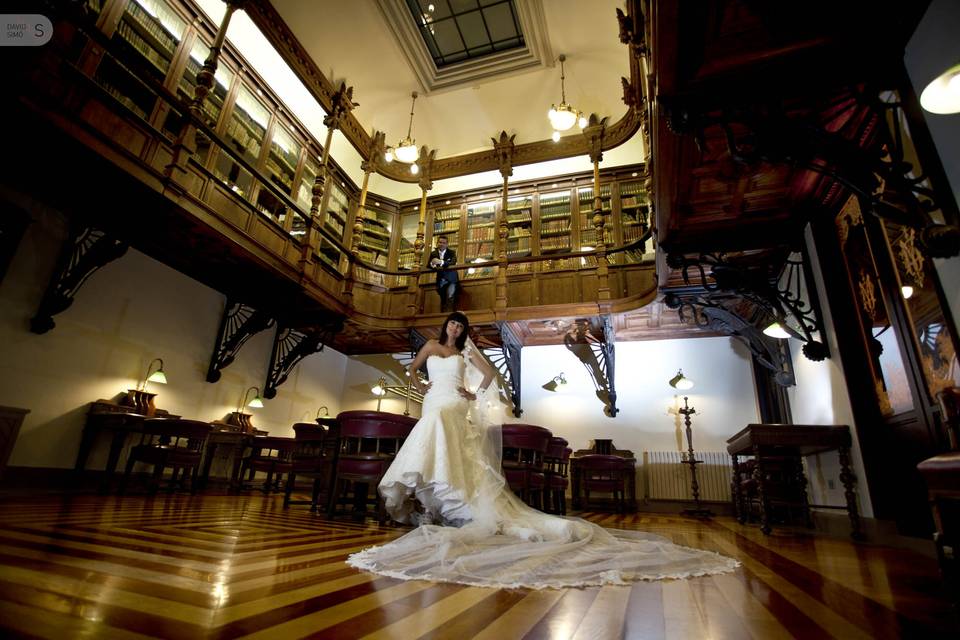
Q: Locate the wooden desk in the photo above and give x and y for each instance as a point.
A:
(764, 440)
(228, 436)
(117, 419)
(607, 448)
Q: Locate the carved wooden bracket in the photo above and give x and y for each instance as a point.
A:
(510, 370)
(290, 346)
(503, 148)
(238, 324)
(417, 340)
(593, 133)
(608, 363)
(84, 251)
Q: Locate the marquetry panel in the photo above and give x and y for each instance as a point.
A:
(231, 566)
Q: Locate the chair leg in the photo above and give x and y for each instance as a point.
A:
(155, 479)
(269, 481)
(315, 497)
(126, 475)
(174, 475)
(288, 490)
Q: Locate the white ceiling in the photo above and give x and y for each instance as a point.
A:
(351, 41)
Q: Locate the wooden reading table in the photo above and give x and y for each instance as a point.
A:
(604, 446)
(797, 440)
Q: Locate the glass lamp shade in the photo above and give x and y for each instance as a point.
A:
(379, 389)
(562, 117)
(942, 95)
(681, 382)
(158, 376)
(907, 291)
(776, 331)
(406, 151)
(256, 403)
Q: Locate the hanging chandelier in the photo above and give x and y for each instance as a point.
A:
(564, 116)
(406, 150)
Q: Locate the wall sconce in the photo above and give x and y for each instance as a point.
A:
(558, 383)
(680, 381)
(256, 403)
(942, 95)
(323, 412)
(157, 376)
(776, 330)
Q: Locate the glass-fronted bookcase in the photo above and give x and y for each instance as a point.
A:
(407, 259)
(519, 218)
(481, 236)
(634, 216)
(374, 245)
(555, 229)
(150, 31)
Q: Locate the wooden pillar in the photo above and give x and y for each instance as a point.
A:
(414, 301)
(185, 146)
(368, 166)
(341, 104)
(594, 133)
(504, 150)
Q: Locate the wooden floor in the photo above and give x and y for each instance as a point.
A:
(228, 566)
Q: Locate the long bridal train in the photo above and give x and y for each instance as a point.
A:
(450, 465)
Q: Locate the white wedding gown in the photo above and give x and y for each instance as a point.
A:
(451, 465)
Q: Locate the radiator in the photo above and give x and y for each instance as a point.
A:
(665, 478)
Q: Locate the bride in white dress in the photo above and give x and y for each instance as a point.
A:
(473, 529)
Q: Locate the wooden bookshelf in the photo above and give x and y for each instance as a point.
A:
(446, 221)
(337, 213)
(481, 236)
(555, 232)
(634, 216)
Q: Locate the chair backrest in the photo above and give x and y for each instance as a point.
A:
(373, 431)
(949, 399)
(169, 432)
(525, 444)
(556, 447)
(598, 466)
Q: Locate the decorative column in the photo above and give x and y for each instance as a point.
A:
(414, 304)
(594, 134)
(368, 166)
(340, 105)
(503, 148)
(185, 145)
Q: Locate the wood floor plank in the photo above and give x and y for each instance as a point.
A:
(224, 566)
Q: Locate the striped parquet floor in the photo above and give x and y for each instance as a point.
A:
(240, 566)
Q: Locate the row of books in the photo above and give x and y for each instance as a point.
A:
(554, 243)
(555, 225)
(481, 233)
(137, 42)
(154, 27)
(447, 214)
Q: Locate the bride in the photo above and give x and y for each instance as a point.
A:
(472, 529)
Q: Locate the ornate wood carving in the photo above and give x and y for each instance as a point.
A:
(503, 148)
(238, 324)
(509, 366)
(291, 345)
(608, 362)
(84, 251)
(417, 340)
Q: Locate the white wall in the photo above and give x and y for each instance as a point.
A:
(723, 395)
(820, 397)
(127, 313)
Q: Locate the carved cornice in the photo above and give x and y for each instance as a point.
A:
(266, 18)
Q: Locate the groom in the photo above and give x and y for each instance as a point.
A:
(448, 282)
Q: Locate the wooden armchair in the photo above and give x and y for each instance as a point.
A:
(524, 447)
(314, 457)
(177, 444)
(603, 474)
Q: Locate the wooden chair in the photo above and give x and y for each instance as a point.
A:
(369, 441)
(603, 474)
(524, 447)
(270, 454)
(785, 491)
(177, 444)
(557, 465)
(314, 457)
(942, 476)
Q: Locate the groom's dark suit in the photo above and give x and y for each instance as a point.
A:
(448, 281)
